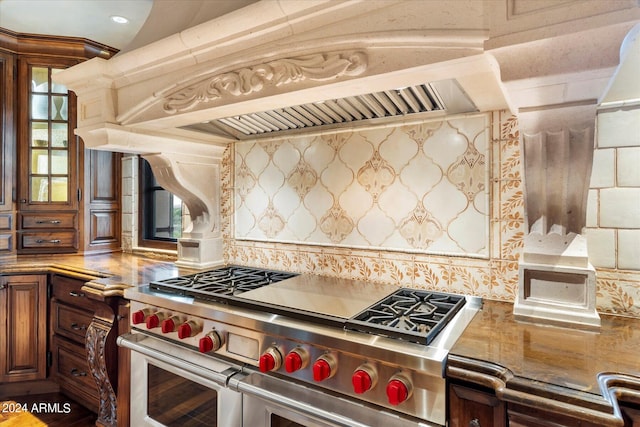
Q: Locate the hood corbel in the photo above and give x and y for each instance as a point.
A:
(190, 169)
(196, 180)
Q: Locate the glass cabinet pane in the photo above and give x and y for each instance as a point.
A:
(39, 189)
(39, 107)
(59, 135)
(39, 134)
(59, 108)
(39, 79)
(59, 189)
(59, 162)
(57, 87)
(49, 154)
(39, 162)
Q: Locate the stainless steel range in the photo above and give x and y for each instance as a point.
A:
(305, 349)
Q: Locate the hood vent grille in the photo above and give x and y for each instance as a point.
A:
(386, 104)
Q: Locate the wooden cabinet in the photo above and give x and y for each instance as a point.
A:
(71, 315)
(7, 154)
(23, 328)
(100, 220)
(471, 407)
(66, 197)
(631, 415)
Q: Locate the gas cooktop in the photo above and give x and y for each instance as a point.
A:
(408, 314)
(367, 342)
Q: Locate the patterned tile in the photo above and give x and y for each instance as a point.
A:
(380, 205)
(417, 187)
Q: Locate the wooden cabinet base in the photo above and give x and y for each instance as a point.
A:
(469, 407)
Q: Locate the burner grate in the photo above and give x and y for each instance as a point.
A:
(215, 285)
(409, 314)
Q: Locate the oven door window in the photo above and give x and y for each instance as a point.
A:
(176, 401)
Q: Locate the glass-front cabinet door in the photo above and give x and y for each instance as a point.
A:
(49, 139)
(47, 144)
(48, 220)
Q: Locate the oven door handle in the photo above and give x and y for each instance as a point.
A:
(298, 405)
(133, 342)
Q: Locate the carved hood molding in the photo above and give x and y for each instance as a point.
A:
(244, 81)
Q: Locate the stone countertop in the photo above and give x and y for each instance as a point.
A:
(579, 372)
(107, 274)
(559, 369)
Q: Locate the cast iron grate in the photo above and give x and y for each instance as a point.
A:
(409, 314)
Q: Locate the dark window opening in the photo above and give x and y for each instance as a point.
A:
(160, 212)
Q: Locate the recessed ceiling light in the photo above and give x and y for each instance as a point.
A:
(119, 19)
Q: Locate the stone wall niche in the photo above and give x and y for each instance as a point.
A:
(557, 283)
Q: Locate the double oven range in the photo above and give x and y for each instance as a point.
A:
(240, 346)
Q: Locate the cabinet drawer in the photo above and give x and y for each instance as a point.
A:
(73, 373)
(47, 220)
(71, 322)
(70, 291)
(55, 240)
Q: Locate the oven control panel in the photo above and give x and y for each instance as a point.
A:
(204, 335)
(375, 381)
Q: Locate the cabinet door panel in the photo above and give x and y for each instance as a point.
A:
(474, 408)
(23, 309)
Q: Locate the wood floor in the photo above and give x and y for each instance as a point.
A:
(53, 410)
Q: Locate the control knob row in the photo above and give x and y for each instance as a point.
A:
(185, 329)
(399, 387)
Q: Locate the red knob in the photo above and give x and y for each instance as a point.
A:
(138, 317)
(321, 370)
(271, 360)
(361, 381)
(205, 345)
(292, 362)
(153, 321)
(184, 331)
(267, 362)
(188, 329)
(397, 392)
(210, 342)
(168, 325)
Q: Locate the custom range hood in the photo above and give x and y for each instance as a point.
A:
(274, 69)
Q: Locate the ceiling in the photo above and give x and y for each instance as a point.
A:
(149, 20)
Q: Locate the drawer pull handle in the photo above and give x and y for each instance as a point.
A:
(76, 294)
(48, 221)
(474, 423)
(77, 327)
(54, 241)
(76, 373)
(2, 287)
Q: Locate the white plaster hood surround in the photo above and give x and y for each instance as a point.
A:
(279, 53)
(268, 55)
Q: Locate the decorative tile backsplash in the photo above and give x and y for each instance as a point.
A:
(494, 277)
(479, 166)
(416, 188)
